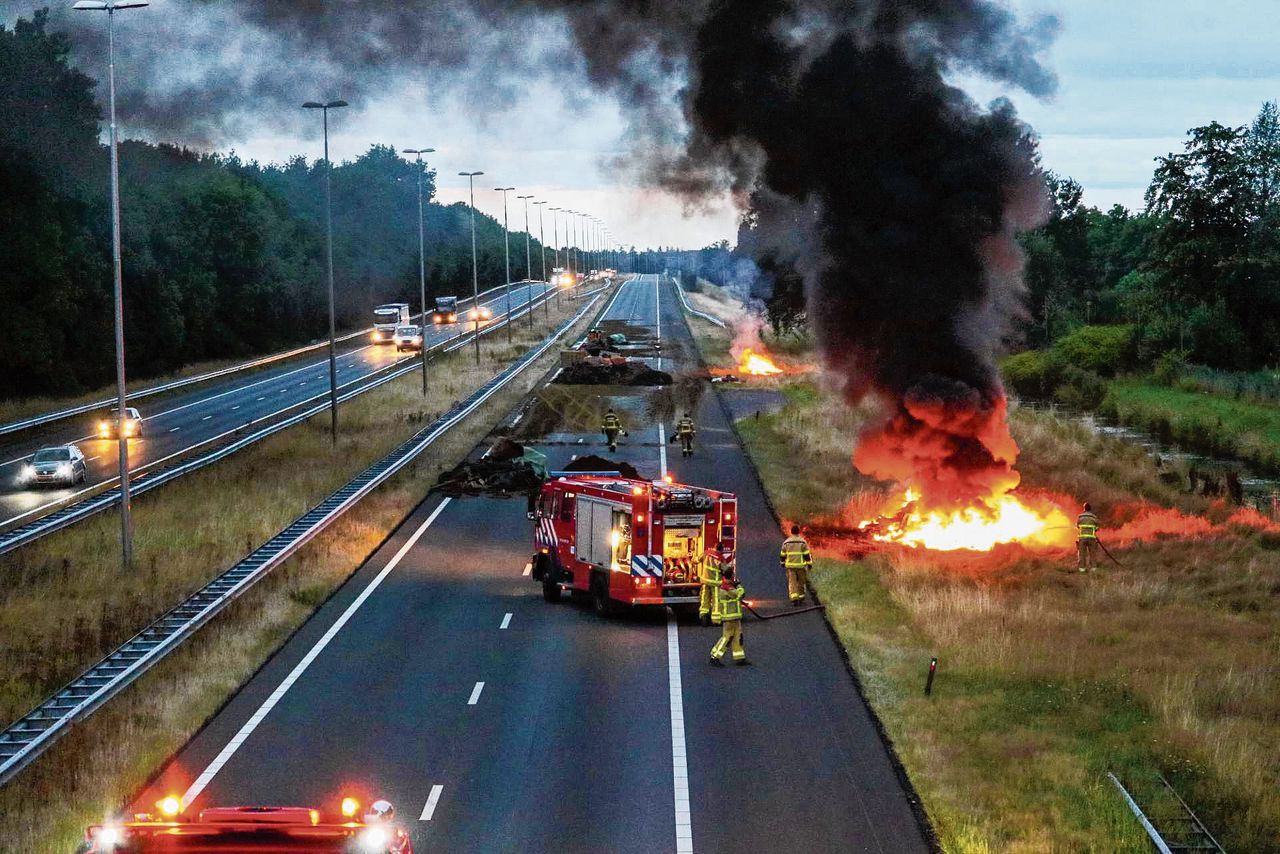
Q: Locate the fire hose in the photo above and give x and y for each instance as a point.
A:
(790, 613)
(1108, 553)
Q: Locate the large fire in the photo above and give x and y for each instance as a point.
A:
(951, 458)
(757, 364)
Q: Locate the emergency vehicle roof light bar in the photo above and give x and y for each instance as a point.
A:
(584, 473)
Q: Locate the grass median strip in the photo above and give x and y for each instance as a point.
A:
(1048, 679)
(64, 602)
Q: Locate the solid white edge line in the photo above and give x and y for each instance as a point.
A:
(432, 799)
(475, 694)
(250, 725)
(506, 620)
(679, 756)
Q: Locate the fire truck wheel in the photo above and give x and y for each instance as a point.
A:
(600, 601)
(550, 588)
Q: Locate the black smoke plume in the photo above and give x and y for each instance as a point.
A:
(879, 180)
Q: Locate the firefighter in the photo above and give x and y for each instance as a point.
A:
(684, 434)
(611, 428)
(729, 596)
(713, 564)
(1087, 541)
(796, 561)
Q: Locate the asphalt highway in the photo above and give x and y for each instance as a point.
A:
(176, 423)
(437, 677)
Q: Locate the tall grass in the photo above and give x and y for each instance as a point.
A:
(64, 602)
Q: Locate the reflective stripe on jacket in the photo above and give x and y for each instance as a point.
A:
(730, 602)
(1087, 523)
(685, 427)
(711, 570)
(611, 422)
(795, 553)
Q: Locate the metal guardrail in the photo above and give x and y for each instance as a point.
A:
(83, 509)
(1170, 834)
(50, 417)
(32, 734)
(685, 303)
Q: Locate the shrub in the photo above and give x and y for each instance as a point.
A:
(1079, 389)
(1033, 373)
(1101, 349)
(1169, 367)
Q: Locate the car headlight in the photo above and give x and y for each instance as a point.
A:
(64, 468)
(374, 840)
(28, 472)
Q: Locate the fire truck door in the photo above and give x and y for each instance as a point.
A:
(603, 534)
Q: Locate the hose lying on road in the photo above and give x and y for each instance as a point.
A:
(790, 613)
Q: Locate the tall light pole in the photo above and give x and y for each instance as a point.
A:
(542, 254)
(117, 272)
(328, 225)
(422, 264)
(506, 242)
(475, 276)
(555, 236)
(528, 260)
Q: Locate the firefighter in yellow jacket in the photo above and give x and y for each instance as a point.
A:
(685, 431)
(713, 564)
(1087, 539)
(797, 561)
(612, 427)
(729, 594)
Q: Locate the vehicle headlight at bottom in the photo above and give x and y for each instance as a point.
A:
(64, 469)
(28, 472)
(374, 840)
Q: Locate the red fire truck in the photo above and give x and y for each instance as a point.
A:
(627, 542)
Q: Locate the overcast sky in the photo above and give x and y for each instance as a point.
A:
(1134, 75)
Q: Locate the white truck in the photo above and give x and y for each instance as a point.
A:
(386, 319)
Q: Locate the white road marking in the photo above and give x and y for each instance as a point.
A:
(475, 694)
(206, 418)
(175, 429)
(250, 725)
(679, 757)
(262, 398)
(432, 799)
(528, 569)
(91, 459)
(506, 618)
(237, 406)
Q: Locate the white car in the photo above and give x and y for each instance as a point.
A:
(408, 338)
(61, 464)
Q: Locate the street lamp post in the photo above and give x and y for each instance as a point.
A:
(506, 242)
(328, 225)
(422, 264)
(475, 276)
(542, 254)
(117, 272)
(528, 260)
(572, 248)
(555, 236)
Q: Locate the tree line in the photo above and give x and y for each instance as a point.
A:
(222, 258)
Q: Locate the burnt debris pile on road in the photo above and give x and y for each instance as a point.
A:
(591, 462)
(507, 469)
(612, 371)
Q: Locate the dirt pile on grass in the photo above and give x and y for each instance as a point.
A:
(630, 373)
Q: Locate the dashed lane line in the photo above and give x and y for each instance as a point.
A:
(475, 694)
(506, 621)
(432, 799)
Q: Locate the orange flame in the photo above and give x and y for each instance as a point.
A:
(757, 364)
(981, 525)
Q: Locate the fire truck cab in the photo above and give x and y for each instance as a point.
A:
(627, 542)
